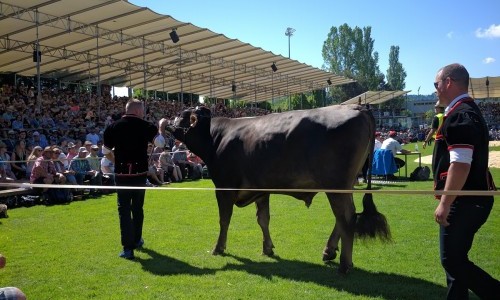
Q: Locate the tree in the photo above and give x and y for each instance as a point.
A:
(349, 52)
(396, 76)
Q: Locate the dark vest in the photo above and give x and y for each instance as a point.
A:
(463, 127)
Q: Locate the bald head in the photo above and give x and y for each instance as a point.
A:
(135, 107)
(451, 81)
(457, 73)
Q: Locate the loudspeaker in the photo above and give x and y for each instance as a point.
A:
(273, 66)
(174, 36)
(233, 88)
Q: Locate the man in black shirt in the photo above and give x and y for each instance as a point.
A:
(460, 162)
(125, 144)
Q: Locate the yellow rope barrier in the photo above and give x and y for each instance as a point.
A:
(270, 190)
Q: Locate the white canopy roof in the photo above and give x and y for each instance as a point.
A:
(118, 43)
(375, 97)
(484, 87)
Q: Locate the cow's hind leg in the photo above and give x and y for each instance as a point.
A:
(331, 248)
(263, 217)
(225, 205)
(343, 208)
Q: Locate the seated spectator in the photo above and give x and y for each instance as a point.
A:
(38, 140)
(18, 123)
(172, 170)
(18, 159)
(72, 152)
(99, 151)
(153, 173)
(5, 165)
(94, 160)
(83, 171)
(197, 162)
(92, 136)
(108, 170)
(156, 166)
(44, 171)
(9, 293)
(60, 168)
(4, 176)
(392, 144)
(87, 145)
(35, 153)
(180, 158)
(10, 141)
(378, 141)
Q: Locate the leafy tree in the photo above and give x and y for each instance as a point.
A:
(396, 76)
(349, 52)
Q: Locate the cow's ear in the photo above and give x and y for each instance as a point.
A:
(193, 120)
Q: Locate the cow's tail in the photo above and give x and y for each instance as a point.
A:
(370, 223)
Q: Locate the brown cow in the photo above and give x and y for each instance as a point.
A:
(322, 148)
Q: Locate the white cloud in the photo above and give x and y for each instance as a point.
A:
(488, 60)
(491, 33)
(450, 35)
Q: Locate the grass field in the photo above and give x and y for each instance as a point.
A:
(71, 251)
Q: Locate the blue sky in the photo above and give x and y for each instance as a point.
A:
(430, 34)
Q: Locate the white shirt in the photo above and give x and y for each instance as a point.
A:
(378, 145)
(107, 163)
(392, 144)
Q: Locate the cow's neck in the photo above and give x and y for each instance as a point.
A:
(200, 143)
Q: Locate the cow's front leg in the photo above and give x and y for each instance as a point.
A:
(263, 217)
(225, 212)
(344, 211)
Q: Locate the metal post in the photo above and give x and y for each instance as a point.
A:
(98, 64)
(180, 74)
(272, 90)
(145, 93)
(38, 58)
(99, 92)
(163, 83)
(289, 32)
(89, 86)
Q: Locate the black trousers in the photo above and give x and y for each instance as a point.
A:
(462, 275)
(130, 210)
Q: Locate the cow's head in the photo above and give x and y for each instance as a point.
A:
(192, 127)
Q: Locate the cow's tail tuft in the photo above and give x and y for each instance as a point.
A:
(370, 223)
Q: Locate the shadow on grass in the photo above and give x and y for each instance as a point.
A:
(163, 265)
(357, 282)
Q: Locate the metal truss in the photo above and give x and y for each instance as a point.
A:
(128, 66)
(68, 25)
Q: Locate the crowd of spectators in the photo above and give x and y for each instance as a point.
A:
(57, 139)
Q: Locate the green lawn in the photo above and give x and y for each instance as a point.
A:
(71, 251)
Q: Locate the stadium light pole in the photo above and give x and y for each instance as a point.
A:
(289, 32)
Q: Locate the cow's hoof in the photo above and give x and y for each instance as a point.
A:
(268, 252)
(217, 251)
(267, 249)
(329, 254)
(345, 269)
